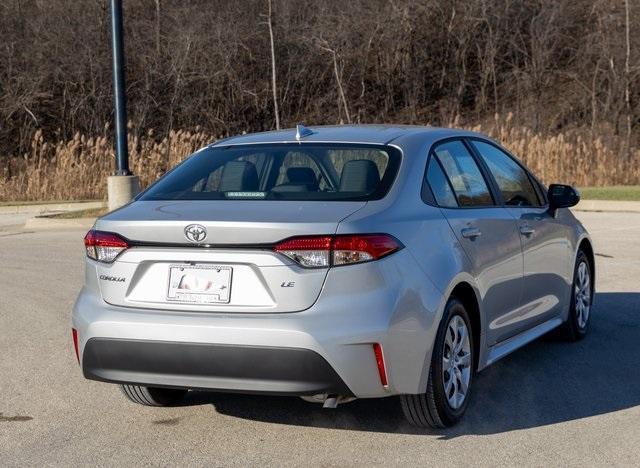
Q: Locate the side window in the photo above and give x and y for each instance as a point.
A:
(512, 179)
(442, 191)
(541, 190)
(464, 175)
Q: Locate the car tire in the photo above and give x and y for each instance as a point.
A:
(577, 324)
(433, 408)
(153, 396)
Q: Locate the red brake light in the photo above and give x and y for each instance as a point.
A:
(344, 249)
(305, 243)
(104, 246)
(362, 248)
(310, 251)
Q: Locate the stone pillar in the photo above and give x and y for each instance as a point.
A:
(121, 189)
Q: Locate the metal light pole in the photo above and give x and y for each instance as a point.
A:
(119, 94)
(122, 186)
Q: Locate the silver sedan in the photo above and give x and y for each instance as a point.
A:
(332, 263)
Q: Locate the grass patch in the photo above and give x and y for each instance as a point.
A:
(89, 213)
(614, 192)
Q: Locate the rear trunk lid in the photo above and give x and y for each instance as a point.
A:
(233, 269)
(253, 222)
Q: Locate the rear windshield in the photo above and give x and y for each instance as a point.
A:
(305, 171)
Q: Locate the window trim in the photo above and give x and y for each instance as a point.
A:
(533, 180)
(488, 181)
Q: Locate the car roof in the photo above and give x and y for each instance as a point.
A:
(372, 134)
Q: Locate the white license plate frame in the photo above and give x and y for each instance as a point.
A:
(199, 284)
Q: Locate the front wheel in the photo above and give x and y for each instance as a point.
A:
(577, 324)
(450, 373)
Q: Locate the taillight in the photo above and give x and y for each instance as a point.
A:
(344, 249)
(310, 252)
(362, 248)
(104, 246)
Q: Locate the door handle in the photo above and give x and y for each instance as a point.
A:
(526, 230)
(471, 232)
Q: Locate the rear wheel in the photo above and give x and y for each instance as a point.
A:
(153, 396)
(577, 324)
(450, 373)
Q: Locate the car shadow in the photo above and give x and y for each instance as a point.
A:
(547, 382)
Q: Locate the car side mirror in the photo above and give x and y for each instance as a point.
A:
(562, 196)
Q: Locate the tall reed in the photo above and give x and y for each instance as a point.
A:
(578, 156)
(77, 168)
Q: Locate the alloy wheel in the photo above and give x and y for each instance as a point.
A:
(582, 294)
(456, 362)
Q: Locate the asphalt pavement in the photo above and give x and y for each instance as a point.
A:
(549, 404)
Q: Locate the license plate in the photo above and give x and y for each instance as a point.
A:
(199, 284)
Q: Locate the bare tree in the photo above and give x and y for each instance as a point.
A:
(157, 27)
(274, 86)
(551, 64)
(322, 44)
(627, 76)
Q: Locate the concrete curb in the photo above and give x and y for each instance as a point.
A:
(51, 207)
(58, 223)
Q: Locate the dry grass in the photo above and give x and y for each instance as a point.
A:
(578, 156)
(77, 169)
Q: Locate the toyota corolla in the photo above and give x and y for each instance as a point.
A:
(332, 263)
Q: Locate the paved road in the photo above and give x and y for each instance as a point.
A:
(551, 403)
(11, 222)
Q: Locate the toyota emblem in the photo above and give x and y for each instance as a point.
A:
(195, 232)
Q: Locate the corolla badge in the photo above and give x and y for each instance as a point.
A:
(195, 232)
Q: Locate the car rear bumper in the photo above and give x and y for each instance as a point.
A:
(256, 369)
(326, 348)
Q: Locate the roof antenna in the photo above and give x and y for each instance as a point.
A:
(302, 131)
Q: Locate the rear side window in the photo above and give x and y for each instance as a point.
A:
(514, 183)
(307, 171)
(464, 175)
(442, 191)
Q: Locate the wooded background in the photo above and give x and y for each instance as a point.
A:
(548, 67)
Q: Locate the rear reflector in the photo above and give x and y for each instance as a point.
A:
(104, 246)
(377, 350)
(74, 334)
(325, 251)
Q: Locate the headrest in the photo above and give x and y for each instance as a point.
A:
(301, 175)
(239, 176)
(359, 175)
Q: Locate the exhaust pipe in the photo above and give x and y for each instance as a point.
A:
(328, 400)
(331, 402)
